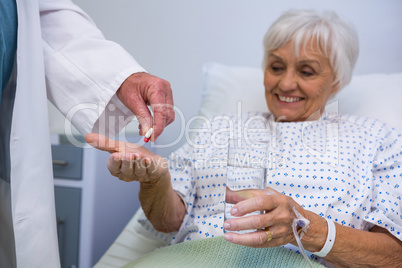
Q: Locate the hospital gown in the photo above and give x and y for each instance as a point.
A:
(342, 167)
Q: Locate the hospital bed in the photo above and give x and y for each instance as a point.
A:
(230, 89)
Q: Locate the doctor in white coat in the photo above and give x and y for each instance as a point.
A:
(63, 57)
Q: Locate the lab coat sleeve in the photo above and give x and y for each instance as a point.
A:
(83, 70)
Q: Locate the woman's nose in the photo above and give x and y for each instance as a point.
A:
(288, 81)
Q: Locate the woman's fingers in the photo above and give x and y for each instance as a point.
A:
(127, 167)
(277, 217)
(134, 167)
(263, 201)
(114, 164)
(234, 197)
(248, 223)
(251, 200)
(140, 170)
(128, 161)
(104, 143)
(258, 203)
(259, 239)
(152, 169)
(256, 239)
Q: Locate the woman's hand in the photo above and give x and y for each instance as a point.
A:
(129, 161)
(377, 248)
(278, 218)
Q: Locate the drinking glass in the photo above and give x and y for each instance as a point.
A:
(247, 166)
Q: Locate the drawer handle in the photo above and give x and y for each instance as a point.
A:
(60, 162)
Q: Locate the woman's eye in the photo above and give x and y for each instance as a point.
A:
(307, 72)
(276, 68)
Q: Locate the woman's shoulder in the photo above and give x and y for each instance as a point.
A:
(362, 124)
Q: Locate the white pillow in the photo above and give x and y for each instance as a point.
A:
(374, 95)
(225, 86)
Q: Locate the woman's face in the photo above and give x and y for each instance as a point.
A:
(297, 88)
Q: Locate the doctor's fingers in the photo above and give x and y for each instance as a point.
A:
(163, 116)
(163, 109)
(170, 115)
(143, 116)
(164, 97)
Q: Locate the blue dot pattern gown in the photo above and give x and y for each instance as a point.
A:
(342, 167)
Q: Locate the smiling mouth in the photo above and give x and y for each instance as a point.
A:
(289, 99)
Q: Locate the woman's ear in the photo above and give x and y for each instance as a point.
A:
(335, 89)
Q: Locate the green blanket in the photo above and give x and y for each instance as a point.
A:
(217, 252)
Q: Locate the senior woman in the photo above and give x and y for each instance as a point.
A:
(351, 198)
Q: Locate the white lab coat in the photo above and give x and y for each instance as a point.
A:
(58, 41)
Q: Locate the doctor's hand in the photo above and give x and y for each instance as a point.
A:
(129, 161)
(274, 227)
(142, 89)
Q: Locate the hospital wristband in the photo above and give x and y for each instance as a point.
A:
(329, 243)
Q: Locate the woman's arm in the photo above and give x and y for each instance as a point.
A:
(162, 206)
(131, 162)
(357, 248)
(352, 248)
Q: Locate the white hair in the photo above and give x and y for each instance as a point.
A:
(336, 39)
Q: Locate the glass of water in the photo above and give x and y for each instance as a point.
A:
(246, 172)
